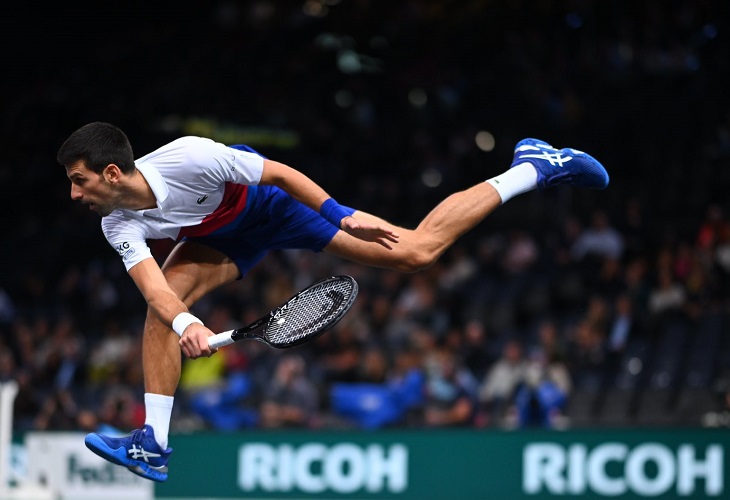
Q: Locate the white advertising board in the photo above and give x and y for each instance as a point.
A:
(61, 462)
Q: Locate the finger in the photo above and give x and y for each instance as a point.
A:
(192, 348)
(384, 243)
(187, 352)
(383, 234)
(204, 348)
(387, 232)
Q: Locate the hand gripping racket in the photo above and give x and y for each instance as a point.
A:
(302, 318)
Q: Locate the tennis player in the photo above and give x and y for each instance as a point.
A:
(227, 206)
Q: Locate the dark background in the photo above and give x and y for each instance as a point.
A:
(640, 85)
(327, 87)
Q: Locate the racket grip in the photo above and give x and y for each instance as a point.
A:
(220, 339)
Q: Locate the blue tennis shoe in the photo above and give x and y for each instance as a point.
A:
(560, 166)
(137, 451)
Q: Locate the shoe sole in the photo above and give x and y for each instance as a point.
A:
(119, 457)
(596, 176)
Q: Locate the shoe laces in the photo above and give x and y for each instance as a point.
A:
(137, 436)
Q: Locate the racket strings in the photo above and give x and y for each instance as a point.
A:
(310, 312)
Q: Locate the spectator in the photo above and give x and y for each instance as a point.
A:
(291, 399)
(667, 294)
(622, 324)
(112, 352)
(599, 240)
(714, 228)
(498, 388)
(374, 403)
(475, 348)
(121, 408)
(374, 366)
(549, 344)
(360, 120)
(450, 392)
(59, 411)
(541, 400)
(587, 353)
(520, 254)
(622, 327)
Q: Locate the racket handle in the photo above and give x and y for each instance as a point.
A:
(220, 339)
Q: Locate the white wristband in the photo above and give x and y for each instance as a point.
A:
(182, 321)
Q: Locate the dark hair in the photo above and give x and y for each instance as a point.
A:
(98, 144)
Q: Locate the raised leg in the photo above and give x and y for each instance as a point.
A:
(419, 248)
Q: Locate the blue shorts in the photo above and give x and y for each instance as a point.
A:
(271, 220)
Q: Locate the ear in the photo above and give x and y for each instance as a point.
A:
(112, 173)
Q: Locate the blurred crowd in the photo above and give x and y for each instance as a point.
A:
(564, 308)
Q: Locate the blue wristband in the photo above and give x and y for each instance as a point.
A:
(333, 212)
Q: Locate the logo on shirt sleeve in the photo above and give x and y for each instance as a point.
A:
(125, 250)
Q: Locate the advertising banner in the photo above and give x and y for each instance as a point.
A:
(451, 464)
(61, 462)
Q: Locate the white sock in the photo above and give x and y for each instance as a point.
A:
(517, 180)
(158, 409)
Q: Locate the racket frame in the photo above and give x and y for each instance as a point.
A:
(246, 332)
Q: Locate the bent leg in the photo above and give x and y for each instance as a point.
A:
(419, 248)
(536, 164)
(192, 270)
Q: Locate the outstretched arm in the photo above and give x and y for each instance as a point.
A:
(305, 190)
(165, 303)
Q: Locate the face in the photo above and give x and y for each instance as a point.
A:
(90, 188)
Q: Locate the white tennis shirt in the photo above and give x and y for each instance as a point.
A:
(200, 186)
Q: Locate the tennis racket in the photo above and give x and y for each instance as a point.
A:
(302, 318)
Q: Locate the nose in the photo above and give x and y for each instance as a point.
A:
(75, 192)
